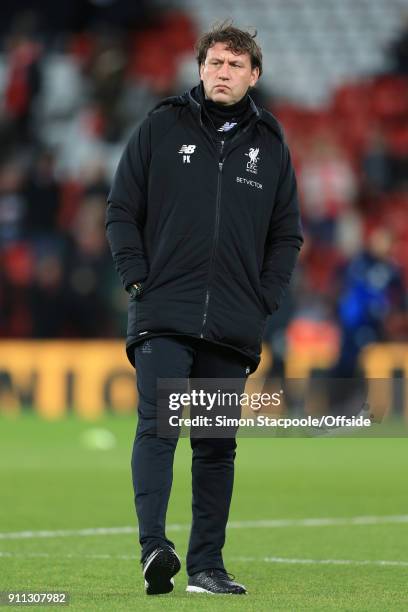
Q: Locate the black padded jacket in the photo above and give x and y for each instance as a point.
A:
(212, 232)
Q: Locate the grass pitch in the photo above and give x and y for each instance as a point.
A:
(50, 480)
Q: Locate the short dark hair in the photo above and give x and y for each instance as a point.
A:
(237, 41)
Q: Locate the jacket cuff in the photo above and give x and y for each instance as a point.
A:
(136, 274)
(271, 302)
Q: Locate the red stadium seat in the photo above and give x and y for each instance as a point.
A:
(397, 140)
(390, 96)
(352, 98)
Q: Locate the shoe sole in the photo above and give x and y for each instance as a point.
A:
(196, 589)
(159, 572)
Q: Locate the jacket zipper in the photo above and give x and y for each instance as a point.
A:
(215, 240)
(217, 214)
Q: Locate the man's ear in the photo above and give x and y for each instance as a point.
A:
(201, 71)
(254, 76)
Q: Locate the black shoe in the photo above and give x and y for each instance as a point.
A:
(158, 570)
(214, 581)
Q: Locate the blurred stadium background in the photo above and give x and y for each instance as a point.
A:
(76, 76)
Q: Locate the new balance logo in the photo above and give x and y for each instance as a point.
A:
(227, 126)
(186, 151)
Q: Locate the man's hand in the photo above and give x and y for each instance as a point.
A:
(135, 290)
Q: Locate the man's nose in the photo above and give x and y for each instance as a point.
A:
(224, 72)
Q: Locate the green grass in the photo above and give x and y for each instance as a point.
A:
(49, 480)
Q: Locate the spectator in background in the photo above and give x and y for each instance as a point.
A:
(376, 164)
(13, 202)
(371, 290)
(88, 259)
(399, 49)
(94, 179)
(16, 278)
(47, 298)
(328, 186)
(23, 82)
(42, 195)
(107, 79)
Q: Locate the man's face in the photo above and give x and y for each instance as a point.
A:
(226, 76)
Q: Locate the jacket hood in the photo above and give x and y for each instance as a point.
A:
(168, 102)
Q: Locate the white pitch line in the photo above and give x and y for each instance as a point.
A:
(322, 561)
(68, 556)
(64, 533)
(260, 524)
(377, 562)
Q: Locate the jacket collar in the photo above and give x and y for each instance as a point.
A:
(188, 98)
(194, 98)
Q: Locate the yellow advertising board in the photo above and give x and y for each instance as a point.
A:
(89, 377)
(57, 376)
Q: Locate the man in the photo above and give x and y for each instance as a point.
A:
(203, 224)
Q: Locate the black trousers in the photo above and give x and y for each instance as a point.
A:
(212, 458)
